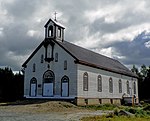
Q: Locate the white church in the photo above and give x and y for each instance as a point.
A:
(58, 69)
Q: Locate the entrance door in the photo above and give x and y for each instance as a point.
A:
(48, 84)
(65, 87)
(48, 89)
(33, 87)
(33, 90)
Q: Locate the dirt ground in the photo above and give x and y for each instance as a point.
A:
(44, 111)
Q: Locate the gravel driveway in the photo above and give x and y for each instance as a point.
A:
(49, 111)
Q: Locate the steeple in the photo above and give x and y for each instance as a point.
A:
(54, 30)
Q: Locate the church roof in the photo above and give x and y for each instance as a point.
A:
(89, 58)
(57, 23)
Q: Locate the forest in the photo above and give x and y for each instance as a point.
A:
(143, 82)
(12, 85)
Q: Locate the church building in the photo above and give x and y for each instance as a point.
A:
(58, 69)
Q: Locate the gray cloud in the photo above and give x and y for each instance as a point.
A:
(134, 52)
(96, 25)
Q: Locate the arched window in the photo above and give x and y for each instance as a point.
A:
(110, 85)
(65, 79)
(50, 31)
(134, 86)
(85, 81)
(99, 83)
(48, 77)
(34, 67)
(56, 57)
(65, 65)
(120, 86)
(59, 32)
(128, 88)
(42, 58)
(33, 81)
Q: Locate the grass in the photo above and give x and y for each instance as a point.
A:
(115, 118)
(139, 113)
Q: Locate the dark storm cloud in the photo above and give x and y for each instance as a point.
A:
(14, 45)
(22, 9)
(103, 27)
(134, 52)
(99, 24)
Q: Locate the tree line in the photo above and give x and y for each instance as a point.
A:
(11, 85)
(143, 81)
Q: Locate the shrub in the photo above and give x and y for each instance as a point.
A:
(141, 102)
(116, 111)
(147, 107)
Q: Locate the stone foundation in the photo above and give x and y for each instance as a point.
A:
(117, 101)
(106, 101)
(80, 101)
(95, 101)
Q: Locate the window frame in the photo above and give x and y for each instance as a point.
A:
(34, 67)
(120, 85)
(42, 58)
(110, 85)
(128, 87)
(56, 57)
(65, 65)
(59, 32)
(50, 31)
(85, 81)
(99, 83)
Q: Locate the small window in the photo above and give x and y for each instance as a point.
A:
(59, 32)
(134, 86)
(50, 31)
(85, 81)
(110, 85)
(128, 88)
(99, 83)
(86, 101)
(34, 67)
(65, 65)
(100, 101)
(120, 86)
(42, 58)
(56, 57)
(111, 101)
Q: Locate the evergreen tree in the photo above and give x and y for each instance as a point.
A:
(11, 86)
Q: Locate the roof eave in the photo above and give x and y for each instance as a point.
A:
(104, 68)
(34, 52)
(56, 23)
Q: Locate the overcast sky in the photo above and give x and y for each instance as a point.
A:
(116, 28)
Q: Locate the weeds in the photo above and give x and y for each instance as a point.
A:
(140, 113)
(101, 107)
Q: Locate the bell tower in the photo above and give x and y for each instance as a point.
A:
(54, 30)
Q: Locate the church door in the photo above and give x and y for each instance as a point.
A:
(33, 87)
(48, 84)
(65, 86)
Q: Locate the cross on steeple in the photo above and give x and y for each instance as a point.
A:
(55, 15)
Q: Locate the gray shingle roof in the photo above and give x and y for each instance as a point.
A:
(87, 57)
